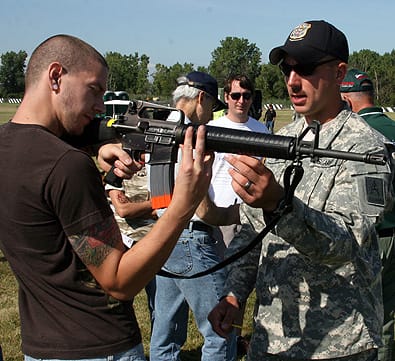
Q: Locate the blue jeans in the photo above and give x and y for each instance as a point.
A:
(270, 125)
(134, 354)
(195, 251)
(150, 290)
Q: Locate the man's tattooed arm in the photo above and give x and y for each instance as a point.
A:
(97, 242)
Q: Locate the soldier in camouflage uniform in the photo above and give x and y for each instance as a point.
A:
(132, 207)
(317, 274)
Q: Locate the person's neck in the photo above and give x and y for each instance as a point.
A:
(237, 118)
(358, 106)
(33, 111)
(326, 115)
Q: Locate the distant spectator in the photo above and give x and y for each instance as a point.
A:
(270, 118)
(238, 94)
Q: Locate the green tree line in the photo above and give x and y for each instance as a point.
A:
(131, 73)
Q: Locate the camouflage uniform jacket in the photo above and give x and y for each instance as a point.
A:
(317, 274)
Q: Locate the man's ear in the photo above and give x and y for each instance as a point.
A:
(341, 72)
(54, 74)
(200, 97)
(347, 100)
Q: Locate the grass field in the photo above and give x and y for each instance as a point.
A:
(10, 332)
(9, 317)
(6, 111)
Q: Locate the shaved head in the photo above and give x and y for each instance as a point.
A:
(72, 53)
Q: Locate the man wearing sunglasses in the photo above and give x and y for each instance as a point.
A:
(317, 273)
(238, 94)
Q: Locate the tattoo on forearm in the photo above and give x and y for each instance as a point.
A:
(122, 198)
(97, 242)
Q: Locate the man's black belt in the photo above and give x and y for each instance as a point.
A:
(199, 226)
(387, 232)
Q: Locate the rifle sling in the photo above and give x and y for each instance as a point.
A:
(292, 176)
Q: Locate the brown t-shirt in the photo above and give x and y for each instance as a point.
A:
(50, 190)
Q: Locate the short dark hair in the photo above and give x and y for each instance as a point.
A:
(73, 53)
(245, 82)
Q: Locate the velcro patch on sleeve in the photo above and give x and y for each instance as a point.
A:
(375, 191)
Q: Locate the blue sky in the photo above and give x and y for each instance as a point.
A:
(187, 31)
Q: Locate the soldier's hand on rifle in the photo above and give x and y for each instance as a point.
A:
(113, 154)
(254, 182)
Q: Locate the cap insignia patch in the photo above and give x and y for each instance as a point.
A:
(299, 32)
(360, 76)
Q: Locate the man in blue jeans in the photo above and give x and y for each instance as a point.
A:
(195, 251)
(270, 118)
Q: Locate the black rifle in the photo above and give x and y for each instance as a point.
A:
(158, 130)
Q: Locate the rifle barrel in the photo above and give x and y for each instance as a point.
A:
(228, 140)
(235, 141)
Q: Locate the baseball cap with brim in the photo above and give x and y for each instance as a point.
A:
(312, 41)
(356, 81)
(205, 82)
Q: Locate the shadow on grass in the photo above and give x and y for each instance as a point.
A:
(191, 355)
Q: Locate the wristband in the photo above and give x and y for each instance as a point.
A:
(109, 187)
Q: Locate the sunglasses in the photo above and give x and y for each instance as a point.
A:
(301, 69)
(237, 95)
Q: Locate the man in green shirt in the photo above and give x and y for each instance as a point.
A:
(358, 91)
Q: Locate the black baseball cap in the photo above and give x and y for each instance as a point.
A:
(312, 41)
(205, 82)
